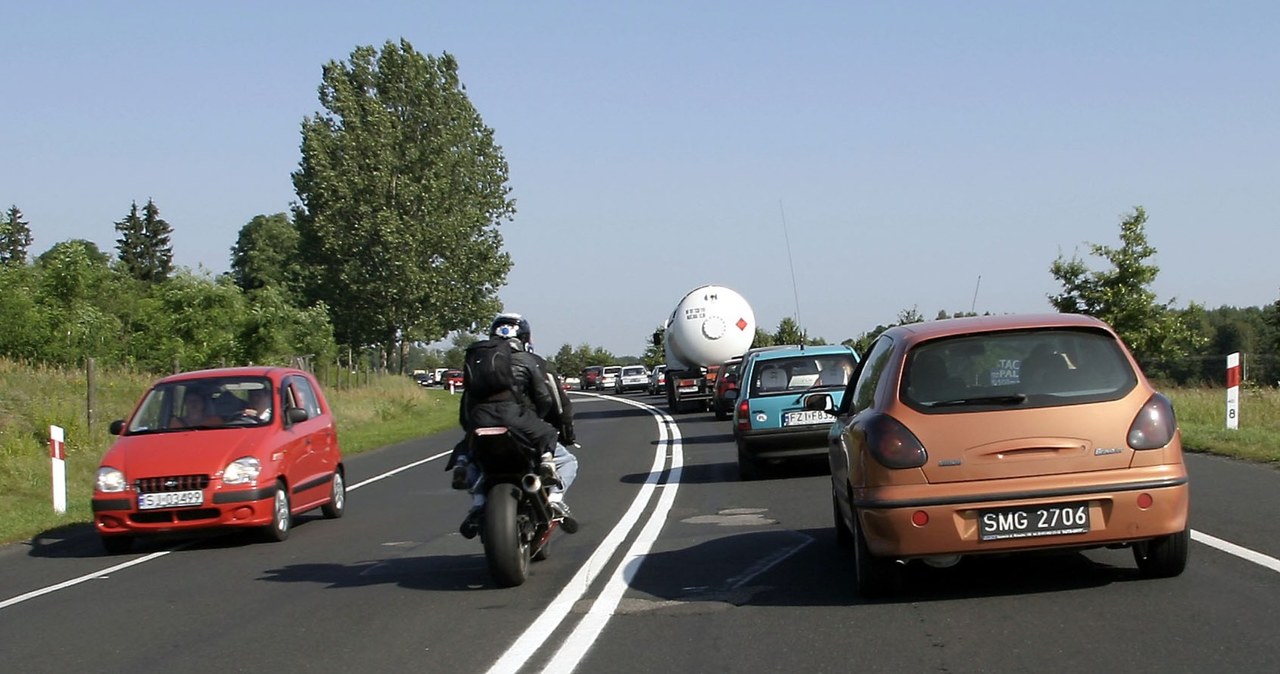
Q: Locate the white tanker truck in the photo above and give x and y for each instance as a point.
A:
(710, 325)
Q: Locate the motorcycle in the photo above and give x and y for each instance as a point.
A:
(518, 519)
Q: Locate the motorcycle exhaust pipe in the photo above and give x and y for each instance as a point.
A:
(530, 483)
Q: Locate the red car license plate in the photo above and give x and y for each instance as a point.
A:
(170, 499)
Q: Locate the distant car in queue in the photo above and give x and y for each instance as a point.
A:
(726, 390)
(631, 378)
(452, 379)
(658, 379)
(590, 379)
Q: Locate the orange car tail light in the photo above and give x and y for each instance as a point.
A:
(744, 417)
(1154, 426)
(892, 445)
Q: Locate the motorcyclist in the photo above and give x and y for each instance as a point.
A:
(536, 413)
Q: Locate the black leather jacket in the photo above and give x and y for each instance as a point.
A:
(531, 387)
(527, 411)
(561, 415)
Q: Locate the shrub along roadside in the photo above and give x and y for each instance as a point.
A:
(385, 411)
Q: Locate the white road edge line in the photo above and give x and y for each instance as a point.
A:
(545, 624)
(157, 555)
(76, 581)
(1239, 551)
(401, 469)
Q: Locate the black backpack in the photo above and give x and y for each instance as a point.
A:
(487, 370)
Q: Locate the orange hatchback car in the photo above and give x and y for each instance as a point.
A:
(1003, 434)
(235, 447)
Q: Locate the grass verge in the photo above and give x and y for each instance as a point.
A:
(382, 411)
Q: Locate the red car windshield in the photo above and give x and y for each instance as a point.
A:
(198, 404)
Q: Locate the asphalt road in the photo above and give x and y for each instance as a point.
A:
(678, 566)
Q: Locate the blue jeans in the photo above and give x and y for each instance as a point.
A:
(566, 466)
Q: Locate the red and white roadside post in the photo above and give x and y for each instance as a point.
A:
(58, 455)
(1233, 391)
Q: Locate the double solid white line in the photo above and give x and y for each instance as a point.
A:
(575, 646)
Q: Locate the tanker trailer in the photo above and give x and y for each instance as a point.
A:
(710, 325)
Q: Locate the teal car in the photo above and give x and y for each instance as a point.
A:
(770, 421)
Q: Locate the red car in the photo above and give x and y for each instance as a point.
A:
(245, 447)
(592, 378)
(453, 379)
(727, 381)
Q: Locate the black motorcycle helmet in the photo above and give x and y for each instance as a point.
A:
(510, 326)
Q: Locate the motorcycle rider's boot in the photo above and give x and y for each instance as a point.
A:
(471, 525)
(547, 471)
(567, 521)
(460, 475)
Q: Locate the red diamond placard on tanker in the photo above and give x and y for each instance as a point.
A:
(742, 324)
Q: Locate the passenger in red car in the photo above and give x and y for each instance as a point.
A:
(199, 412)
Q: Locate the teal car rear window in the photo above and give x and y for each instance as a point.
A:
(800, 373)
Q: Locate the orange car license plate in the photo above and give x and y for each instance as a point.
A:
(1050, 519)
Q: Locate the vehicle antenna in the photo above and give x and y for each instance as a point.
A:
(794, 291)
(975, 295)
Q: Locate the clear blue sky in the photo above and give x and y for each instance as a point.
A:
(913, 146)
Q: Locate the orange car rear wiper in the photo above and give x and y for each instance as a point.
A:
(1013, 399)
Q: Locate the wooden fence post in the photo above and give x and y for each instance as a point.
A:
(91, 396)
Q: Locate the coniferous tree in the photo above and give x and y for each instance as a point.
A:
(130, 247)
(144, 248)
(15, 238)
(159, 247)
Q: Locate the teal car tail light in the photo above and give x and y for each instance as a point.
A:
(744, 415)
(892, 445)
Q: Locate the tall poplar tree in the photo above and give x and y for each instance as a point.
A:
(15, 238)
(401, 189)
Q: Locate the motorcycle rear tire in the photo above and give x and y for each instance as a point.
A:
(504, 548)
